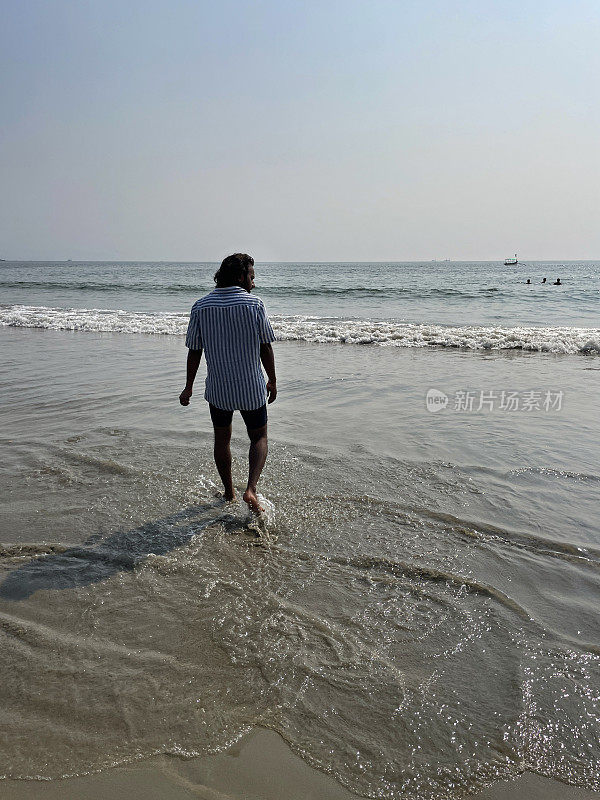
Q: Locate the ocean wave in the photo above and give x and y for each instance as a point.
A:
(321, 330)
(99, 286)
(268, 291)
(92, 319)
(287, 292)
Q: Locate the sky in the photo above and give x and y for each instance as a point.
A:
(299, 130)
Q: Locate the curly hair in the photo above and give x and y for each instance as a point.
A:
(233, 269)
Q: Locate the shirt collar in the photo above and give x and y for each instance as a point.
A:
(229, 289)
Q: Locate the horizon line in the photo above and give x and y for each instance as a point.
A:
(374, 261)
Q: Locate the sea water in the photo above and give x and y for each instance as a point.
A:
(418, 614)
(473, 305)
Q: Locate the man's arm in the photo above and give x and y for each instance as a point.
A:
(193, 362)
(267, 356)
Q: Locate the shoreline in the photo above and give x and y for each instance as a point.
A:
(261, 766)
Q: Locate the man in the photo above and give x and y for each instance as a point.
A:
(235, 333)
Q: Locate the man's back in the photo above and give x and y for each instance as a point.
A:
(229, 324)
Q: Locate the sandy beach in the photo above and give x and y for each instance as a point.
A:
(416, 619)
(260, 767)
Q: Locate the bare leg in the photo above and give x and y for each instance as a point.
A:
(223, 459)
(257, 456)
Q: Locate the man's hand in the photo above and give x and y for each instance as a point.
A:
(184, 397)
(268, 361)
(193, 360)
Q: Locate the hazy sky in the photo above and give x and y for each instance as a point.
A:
(299, 130)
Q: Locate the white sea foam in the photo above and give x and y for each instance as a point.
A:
(545, 339)
(92, 319)
(262, 524)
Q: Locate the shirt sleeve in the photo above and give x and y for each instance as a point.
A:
(265, 331)
(193, 339)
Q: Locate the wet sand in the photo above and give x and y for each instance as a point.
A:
(442, 615)
(259, 767)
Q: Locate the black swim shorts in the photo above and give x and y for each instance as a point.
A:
(256, 418)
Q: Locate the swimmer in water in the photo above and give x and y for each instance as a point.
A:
(544, 281)
(528, 280)
(557, 282)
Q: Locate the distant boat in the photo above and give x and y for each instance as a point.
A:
(508, 262)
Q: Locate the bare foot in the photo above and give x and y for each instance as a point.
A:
(252, 500)
(227, 496)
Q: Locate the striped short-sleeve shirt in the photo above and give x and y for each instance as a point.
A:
(229, 324)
